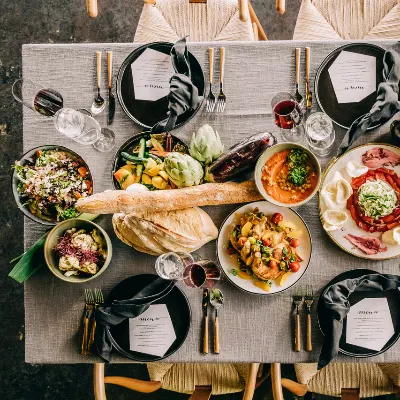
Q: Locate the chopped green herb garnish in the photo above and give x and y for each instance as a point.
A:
(234, 272)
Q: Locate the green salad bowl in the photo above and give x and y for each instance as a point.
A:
(52, 258)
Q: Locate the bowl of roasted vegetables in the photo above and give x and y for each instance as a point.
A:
(139, 163)
(47, 182)
(77, 250)
(287, 175)
(264, 249)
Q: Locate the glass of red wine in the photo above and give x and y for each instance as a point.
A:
(288, 115)
(42, 100)
(202, 274)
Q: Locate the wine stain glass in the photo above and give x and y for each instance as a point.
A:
(45, 101)
(288, 115)
(202, 274)
(320, 133)
(171, 265)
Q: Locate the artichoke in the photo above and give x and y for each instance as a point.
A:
(206, 145)
(183, 170)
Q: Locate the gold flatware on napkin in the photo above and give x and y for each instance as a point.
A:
(211, 101)
(98, 302)
(89, 304)
(309, 299)
(308, 90)
(297, 301)
(204, 305)
(221, 103)
(216, 300)
(298, 97)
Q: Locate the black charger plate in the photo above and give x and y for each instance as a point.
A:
(345, 114)
(148, 113)
(178, 308)
(393, 297)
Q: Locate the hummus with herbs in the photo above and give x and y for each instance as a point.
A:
(289, 176)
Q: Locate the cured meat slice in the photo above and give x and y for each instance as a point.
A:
(368, 244)
(379, 157)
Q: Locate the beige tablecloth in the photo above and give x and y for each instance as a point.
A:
(253, 328)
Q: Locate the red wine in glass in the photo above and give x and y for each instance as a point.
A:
(47, 102)
(287, 114)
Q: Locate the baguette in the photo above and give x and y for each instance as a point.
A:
(208, 194)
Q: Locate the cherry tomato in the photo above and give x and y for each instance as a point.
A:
(266, 242)
(277, 217)
(273, 264)
(230, 250)
(294, 266)
(295, 242)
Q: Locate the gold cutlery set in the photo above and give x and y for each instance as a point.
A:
(299, 297)
(216, 102)
(307, 105)
(216, 299)
(93, 300)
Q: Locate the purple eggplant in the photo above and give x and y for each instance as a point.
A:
(240, 158)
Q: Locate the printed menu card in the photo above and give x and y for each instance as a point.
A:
(151, 73)
(353, 76)
(152, 332)
(369, 324)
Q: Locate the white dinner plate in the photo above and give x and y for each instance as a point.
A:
(229, 262)
(351, 227)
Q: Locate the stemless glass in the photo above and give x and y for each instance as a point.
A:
(202, 274)
(288, 115)
(320, 133)
(171, 265)
(81, 127)
(44, 101)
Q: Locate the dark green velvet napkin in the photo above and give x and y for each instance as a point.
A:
(387, 100)
(183, 95)
(336, 301)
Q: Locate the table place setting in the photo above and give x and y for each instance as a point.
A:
(191, 225)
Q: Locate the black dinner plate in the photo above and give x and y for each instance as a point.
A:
(346, 113)
(178, 308)
(129, 145)
(393, 297)
(148, 113)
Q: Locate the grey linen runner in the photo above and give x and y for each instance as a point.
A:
(253, 328)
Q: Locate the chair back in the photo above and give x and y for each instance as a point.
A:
(348, 19)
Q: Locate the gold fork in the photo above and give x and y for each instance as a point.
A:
(98, 302)
(309, 299)
(221, 102)
(89, 304)
(297, 301)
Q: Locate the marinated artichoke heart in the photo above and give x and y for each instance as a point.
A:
(81, 252)
(183, 170)
(206, 145)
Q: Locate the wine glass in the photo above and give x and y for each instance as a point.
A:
(44, 101)
(80, 126)
(202, 274)
(288, 115)
(320, 133)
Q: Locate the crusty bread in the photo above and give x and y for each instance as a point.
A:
(208, 194)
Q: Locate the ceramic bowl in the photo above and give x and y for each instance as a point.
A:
(27, 158)
(52, 240)
(268, 153)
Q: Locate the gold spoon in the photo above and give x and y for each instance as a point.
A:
(216, 300)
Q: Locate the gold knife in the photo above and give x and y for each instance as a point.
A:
(204, 304)
(111, 97)
(308, 90)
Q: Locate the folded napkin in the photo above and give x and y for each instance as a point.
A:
(183, 95)
(120, 310)
(387, 100)
(336, 301)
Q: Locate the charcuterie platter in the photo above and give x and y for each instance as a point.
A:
(359, 201)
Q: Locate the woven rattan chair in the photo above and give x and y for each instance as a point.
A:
(199, 380)
(349, 381)
(348, 19)
(199, 20)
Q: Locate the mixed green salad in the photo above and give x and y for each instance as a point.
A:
(50, 184)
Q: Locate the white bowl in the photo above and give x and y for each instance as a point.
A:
(268, 153)
(229, 262)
